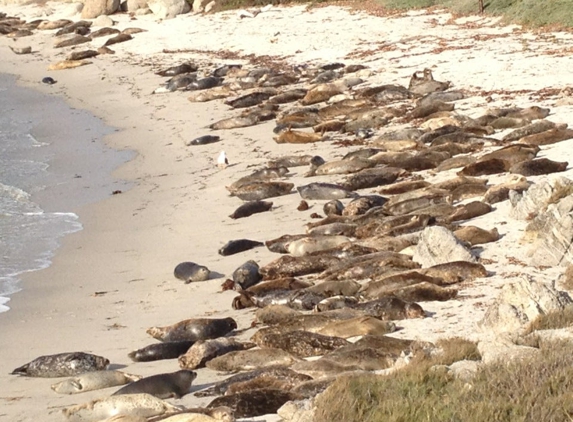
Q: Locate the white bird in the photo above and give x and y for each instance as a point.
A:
(222, 161)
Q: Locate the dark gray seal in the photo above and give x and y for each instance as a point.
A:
(160, 351)
(178, 70)
(250, 208)
(62, 365)
(247, 275)
(236, 246)
(204, 140)
(163, 386)
(189, 272)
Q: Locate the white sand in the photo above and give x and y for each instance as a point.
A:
(179, 208)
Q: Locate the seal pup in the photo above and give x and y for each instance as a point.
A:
(194, 329)
(247, 360)
(250, 208)
(190, 272)
(159, 351)
(163, 386)
(205, 350)
(62, 365)
(90, 381)
(179, 69)
(476, 235)
(144, 405)
(455, 271)
(204, 140)
(254, 403)
(236, 246)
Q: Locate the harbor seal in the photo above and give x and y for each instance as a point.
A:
(246, 275)
(250, 208)
(326, 191)
(300, 343)
(236, 246)
(334, 207)
(62, 365)
(259, 190)
(194, 329)
(277, 372)
(144, 405)
(357, 327)
(205, 350)
(247, 360)
(90, 381)
(204, 140)
(391, 308)
(159, 351)
(190, 272)
(199, 414)
(162, 386)
(254, 403)
(538, 167)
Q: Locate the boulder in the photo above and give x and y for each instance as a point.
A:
(438, 245)
(502, 349)
(94, 8)
(552, 233)
(168, 9)
(529, 204)
(521, 302)
(297, 411)
(135, 5)
(464, 369)
(199, 5)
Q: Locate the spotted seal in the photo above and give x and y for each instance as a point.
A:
(62, 365)
(254, 403)
(299, 343)
(247, 360)
(163, 386)
(194, 329)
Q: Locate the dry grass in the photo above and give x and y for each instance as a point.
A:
(552, 320)
(540, 389)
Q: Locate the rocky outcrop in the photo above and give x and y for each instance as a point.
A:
(520, 303)
(199, 5)
(552, 235)
(528, 205)
(168, 9)
(94, 8)
(135, 5)
(438, 245)
(503, 349)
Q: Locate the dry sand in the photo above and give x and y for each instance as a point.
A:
(112, 280)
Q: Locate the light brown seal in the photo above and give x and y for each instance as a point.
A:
(476, 235)
(299, 343)
(357, 327)
(205, 350)
(247, 360)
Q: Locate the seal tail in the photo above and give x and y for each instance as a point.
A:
(22, 370)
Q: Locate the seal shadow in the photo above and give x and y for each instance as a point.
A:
(429, 314)
(116, 366)
(200, 387)
(215, 275)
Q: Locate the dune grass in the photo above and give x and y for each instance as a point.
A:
(552, 320)
(538, 389)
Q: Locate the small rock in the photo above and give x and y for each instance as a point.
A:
(493, 350)
(297, 411)
(464, 369)
(103, 21)
(136, 5)
(527, 205)
(210, 6)
(199, 5)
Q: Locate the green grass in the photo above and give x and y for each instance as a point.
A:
(539, 389)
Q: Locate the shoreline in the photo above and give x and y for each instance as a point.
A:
(113, 279)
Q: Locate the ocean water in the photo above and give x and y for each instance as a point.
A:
(52, 162)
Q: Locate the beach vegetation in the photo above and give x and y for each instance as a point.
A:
(561, 318)
(532, 13)
(538, 388)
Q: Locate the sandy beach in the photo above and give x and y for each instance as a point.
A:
(112, 280)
